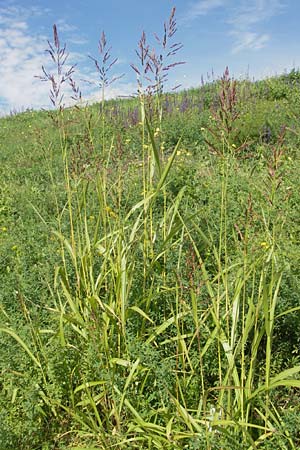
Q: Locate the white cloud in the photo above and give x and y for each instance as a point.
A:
(64, 26)
(112, 91)
(22, 56)
(77, 40)
(200, 8)
(255, 11)
(72, 33)
(248, 40)
(247, 16)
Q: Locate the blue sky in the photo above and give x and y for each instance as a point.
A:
(254, 37)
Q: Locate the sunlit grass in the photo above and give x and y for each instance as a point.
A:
(146, 276)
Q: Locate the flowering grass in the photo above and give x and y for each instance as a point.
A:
(150, 269)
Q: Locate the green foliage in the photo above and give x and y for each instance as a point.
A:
(150, 283)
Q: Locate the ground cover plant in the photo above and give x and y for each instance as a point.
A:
(150, 263)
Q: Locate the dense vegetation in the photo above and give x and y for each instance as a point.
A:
(150, 269)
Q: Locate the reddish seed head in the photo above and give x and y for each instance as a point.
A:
(55, 36)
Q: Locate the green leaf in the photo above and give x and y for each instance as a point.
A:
(22, 343)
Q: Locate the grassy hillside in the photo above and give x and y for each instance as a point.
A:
(150, 271)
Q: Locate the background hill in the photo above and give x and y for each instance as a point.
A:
(150, 271)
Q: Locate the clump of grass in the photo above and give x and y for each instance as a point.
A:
(151, 340)
(103, 67)
(153, 69)
(223, 132)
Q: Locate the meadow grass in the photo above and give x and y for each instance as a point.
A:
(150, 265)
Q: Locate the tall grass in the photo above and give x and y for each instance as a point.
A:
(160, 347)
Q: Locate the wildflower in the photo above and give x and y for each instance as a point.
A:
(233, 145)
(264, 244)
(156, 133)
(4, 229)
(110, 212)
(127, 141)
(14, 248)
(202, 129)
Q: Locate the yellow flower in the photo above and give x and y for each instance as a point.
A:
(263, 244)
(4, 229)
(14, 248)
(233, 145)
(111, 212)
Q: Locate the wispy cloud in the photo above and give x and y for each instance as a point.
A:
(256, 11)
(200, 8)
(22, 53)
(71, 32)
(247, 40)
(64, 26)
(247, 18)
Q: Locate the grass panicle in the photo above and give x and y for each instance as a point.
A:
(171, 289)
